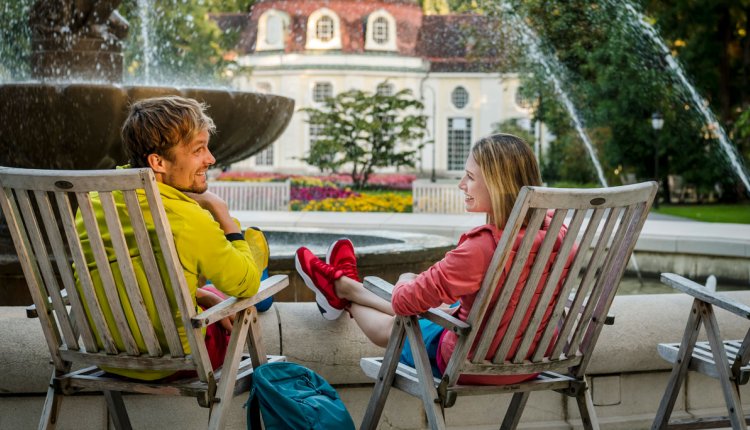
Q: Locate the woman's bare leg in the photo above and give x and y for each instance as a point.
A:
(373, 315)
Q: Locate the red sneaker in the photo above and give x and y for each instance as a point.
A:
(341, 256)
(319, 277)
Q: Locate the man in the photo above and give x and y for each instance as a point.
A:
(170, 135)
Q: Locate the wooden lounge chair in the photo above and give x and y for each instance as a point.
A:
(608, 221)
(732, 357)
(39, 207)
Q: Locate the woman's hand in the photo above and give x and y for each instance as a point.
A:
(207, 299)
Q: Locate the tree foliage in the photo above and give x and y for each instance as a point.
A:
(617, 79)
(362, 131)
(186, 44)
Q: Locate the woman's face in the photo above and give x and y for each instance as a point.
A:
(476, 194)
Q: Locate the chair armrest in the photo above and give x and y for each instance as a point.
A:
(704, 294)
(232, 305)
(31, 309)
(384, 290)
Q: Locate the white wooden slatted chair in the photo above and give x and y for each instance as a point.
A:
(608, 221)
(732, 355)
(39, 207)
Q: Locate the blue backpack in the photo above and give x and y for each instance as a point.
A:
(290, 396)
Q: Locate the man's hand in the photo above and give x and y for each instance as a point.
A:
(207, 299)
(218, 208)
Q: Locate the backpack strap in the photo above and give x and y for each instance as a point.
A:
(253, 413)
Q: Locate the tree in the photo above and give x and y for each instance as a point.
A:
(187, 46)
(363, 131)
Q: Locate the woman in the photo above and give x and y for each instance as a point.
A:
(496, 169)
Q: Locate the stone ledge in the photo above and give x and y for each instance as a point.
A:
(627, 375)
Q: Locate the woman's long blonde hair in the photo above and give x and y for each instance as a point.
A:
(507, 164)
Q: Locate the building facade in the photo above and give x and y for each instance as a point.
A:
(312, 49)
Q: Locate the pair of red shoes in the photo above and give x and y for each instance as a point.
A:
(320, 276)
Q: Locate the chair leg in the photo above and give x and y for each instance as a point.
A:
(515, 410)
(117, 412)
(51, 407)
(586, 407)
(385, 376)
(728, 387)
(680, 368)
(228, 377)
(430, 398)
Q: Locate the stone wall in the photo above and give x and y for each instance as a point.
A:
(627, 376)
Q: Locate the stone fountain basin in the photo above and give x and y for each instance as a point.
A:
(77, 125)
(385, 254)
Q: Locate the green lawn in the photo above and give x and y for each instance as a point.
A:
(739, 213)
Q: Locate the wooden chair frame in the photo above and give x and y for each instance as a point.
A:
(613, 218)
(45, 250)
(732, 355)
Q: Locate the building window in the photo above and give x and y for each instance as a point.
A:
(263, 87)
(272, 28)
(380, 32)
(459, 142)
(324, 29)
(265, 157)
(322, 91)
(384, 89)
(460, 97)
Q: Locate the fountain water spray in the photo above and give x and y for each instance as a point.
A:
(710, 119)
(552, 69)
(143, 14)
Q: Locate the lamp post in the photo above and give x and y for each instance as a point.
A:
(657, 122)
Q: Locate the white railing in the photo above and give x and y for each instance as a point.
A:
(437, 197)
(253, 196)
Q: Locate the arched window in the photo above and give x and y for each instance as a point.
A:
(272, 28)
(380, 33)
(460, 97)
(323, 30)
(322, 91)
(384, 89)
(380, 30)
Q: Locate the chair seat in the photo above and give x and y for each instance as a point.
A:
(94, 378)
(703, 360)
(406, 379)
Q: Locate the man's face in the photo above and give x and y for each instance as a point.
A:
(190, 162)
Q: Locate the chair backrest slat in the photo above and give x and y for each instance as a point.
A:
(84, 277)
(130, 283)
(580, 262)
(176, 275)
(498, 310)
(587, 287)
(64, 270)
(527, 288)
(621, 249)
(158, 292)
(31, 272)
(105, 273)
(50, 284)
(587, 268)
(542, 261)
(562, 258)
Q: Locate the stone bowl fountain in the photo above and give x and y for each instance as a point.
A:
(70, 116)
(77, 125)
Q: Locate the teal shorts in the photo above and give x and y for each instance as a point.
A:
(431, 334)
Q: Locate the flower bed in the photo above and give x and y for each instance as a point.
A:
(384, 193)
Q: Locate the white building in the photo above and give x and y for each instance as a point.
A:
(311, 49)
